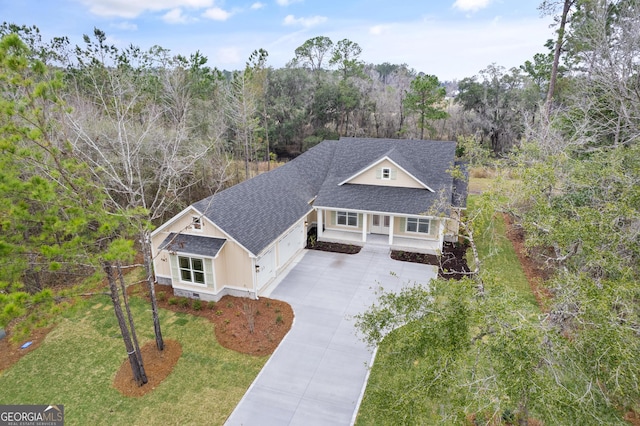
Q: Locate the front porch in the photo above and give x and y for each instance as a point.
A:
(378, 240)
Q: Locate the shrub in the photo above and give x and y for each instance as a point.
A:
(44, 296)
(279, 319)
(161, 296)
(211, 305)
(218, 312)
(197, 305)
(184, 302)
(173, 300)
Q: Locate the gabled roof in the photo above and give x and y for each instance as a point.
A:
(387, 157)
(192, 244)
(427, 161)
(255, 212)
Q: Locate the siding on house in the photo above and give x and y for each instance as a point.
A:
(398, 177)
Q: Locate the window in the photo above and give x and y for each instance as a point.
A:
(386, 173)
(196, 223)
(418, 225)
(348, 218)
(191, 269)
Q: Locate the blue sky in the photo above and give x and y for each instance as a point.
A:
(452, 39)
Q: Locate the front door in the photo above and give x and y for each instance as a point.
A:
(380, 224)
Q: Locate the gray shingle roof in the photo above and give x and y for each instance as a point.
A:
(428, 161)
(257, 211)
(461, 186)
(192, 244)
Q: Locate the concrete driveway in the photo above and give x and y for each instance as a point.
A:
(318, 373)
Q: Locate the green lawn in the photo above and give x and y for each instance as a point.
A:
(77, 363)
(498, 256)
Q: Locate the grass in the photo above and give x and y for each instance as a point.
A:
(77, 363)
(499, 258)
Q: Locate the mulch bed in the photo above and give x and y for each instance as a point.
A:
(254, 327)
(157, 366)
(11, 353)
(334, 247)
(452, 264)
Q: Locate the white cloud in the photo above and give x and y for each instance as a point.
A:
(175, 16)
(126, 26)
(257, 6)
(133, 8)
(309, 22)
(287, 2)
(228, 55)
(471, 5)
(378, 29)
(216, 14)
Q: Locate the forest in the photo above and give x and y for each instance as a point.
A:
(99, 144)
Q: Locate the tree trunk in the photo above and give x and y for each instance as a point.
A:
(556, 55)
(146, 250)
(136, 369)
(125, 299)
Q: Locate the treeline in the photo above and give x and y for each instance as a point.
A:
(574, 191)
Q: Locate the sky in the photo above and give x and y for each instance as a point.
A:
(451, 39)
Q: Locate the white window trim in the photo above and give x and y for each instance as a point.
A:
(346, 216)
(192, 271)
(418, 220)
(386, 173)
(197, 223)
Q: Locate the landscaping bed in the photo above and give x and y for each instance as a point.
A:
(254, 327)
(452, 264)
(334, 247)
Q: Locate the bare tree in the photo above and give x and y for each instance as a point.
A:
(131, 127)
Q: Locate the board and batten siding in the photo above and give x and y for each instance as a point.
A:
(232, 267)
(398, 178)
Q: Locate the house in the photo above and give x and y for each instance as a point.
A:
(399, 192)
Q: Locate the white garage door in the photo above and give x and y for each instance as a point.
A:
(290, 244)
(267, 267)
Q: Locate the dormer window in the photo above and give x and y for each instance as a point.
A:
(386, 173)
(196, 223)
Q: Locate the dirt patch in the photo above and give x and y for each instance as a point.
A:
(452, 264)
(10, 353)
(334, 247)
(534, 270)
(157, 366)
(254, 327)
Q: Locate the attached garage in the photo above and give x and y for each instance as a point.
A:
(290, 244)
(266, 267)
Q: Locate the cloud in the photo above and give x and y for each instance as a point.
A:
(309, 22)
(378, 29)
(471, 5)
(217, 14)
(228, 55)
(175, 16)
(287, 2)
(126, 26)
(132, 8)
(257, 6)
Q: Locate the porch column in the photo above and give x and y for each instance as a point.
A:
(319, 224)
(364, 227)
(391, 230)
